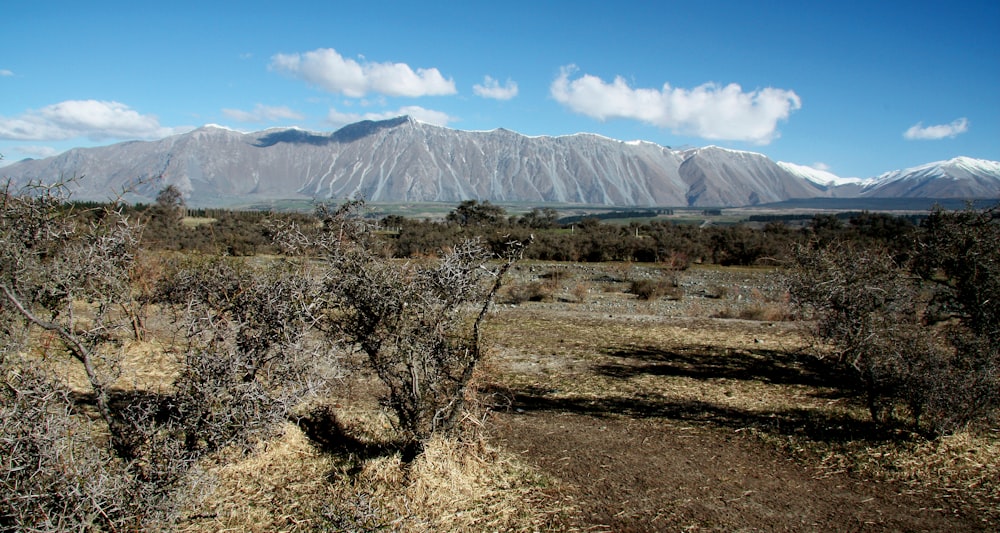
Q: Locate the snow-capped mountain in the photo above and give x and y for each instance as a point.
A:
(961, 177)
(819, 177)
(404, 160)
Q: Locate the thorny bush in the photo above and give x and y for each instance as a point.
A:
(248, 355)
(246, 359)
(920, 332)
(417, 322)
(67, 276)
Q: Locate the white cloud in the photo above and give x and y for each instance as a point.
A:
(440, 118)
(920, 132)
(93, 119)
(709, 111)
(330, 71)
(4, 73)
(38, 152)
(821, 166)
(263, 113)
(490, 88)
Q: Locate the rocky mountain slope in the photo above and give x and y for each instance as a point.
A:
(404, 160)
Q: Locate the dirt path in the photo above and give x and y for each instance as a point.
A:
(623, 474)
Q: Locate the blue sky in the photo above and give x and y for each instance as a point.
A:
(856, 88)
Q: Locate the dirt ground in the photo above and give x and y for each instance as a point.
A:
(649, 420)
(626, 474)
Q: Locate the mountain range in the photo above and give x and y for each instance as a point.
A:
(405, 160)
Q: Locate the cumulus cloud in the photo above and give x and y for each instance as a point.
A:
(93, 119)
(710, 111)
(263, 113)
(439, 118)
(330, 71)
(920, 132)
(490, 88)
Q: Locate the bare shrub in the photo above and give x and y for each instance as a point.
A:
(580, 291)
(921, 333)
(249, 358)
(532, 291)
(51, 474)
(68, 275)
(654, 289)
(50, 262)
(418, 322)
(716, 292)
(677, 261)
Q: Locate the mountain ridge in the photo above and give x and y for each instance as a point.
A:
(406, 160)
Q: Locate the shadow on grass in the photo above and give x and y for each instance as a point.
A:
(708, 363)
(812, 424)
(326, 431)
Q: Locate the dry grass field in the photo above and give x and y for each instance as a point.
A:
(703, 408)
(706, 411)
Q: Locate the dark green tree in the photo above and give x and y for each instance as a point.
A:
(474, 213)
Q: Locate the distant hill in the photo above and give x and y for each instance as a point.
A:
(404, 160)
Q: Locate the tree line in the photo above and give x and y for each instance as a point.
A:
(244, 233)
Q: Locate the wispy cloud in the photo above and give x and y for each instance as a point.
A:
(327, 69)
(440, 118)
(37, 151)
(93, 119)
(919, 132)
(710, 111)
(263, 113)
(490, 88)
(4, 73)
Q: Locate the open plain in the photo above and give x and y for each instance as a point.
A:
(709, 410)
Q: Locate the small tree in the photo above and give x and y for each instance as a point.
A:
(474, 213)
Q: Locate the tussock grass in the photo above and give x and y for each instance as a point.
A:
(280, 487)
(457, 484)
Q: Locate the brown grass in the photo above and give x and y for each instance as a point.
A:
(458, 484)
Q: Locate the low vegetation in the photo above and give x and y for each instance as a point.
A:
(342, 376)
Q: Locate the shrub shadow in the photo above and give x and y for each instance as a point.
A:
(817, 426)
(325, 430)
(707, 363)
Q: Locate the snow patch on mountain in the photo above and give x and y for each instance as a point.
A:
(954, 169)
(817, 176)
